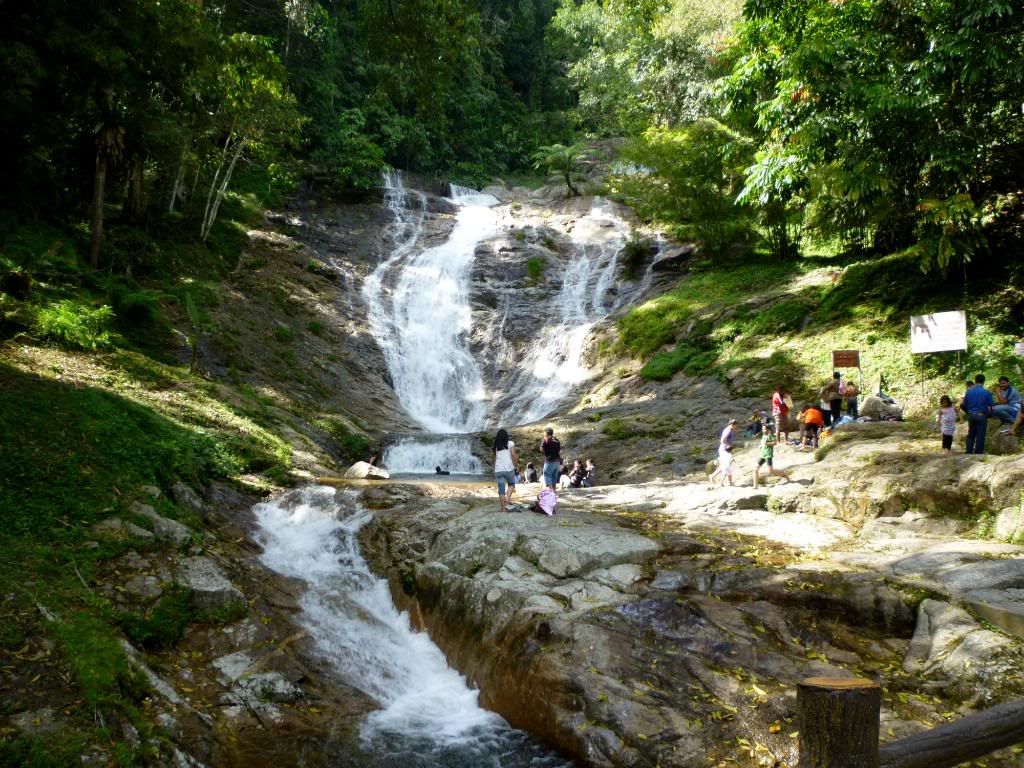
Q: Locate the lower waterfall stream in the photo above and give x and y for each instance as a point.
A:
(429, 715)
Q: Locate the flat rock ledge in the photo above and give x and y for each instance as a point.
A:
(669, 626)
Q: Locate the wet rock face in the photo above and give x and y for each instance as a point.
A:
(626, 641)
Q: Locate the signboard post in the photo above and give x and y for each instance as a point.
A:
(938, 332)
(846, 358)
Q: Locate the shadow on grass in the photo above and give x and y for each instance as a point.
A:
(71, 453)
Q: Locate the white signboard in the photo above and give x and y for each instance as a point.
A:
(941, 332)
(1018, 348)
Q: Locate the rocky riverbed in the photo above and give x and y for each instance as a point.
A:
(668, 624)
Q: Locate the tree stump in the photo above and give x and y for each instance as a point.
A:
(838, 720)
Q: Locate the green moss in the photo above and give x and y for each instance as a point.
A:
(352, 443)
(97, 660)
(535, 269)
(52, 751)
(617, 429)
(163, 625)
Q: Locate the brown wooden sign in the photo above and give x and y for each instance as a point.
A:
(845, 358)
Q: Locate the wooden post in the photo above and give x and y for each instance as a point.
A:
(838, 721)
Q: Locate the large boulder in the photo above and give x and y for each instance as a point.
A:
(210, 588)
(876, 408)
(363, 470)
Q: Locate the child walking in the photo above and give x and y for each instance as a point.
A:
(767, 455)
(947, 422)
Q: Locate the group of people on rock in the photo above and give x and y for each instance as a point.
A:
(554, 472)
(978, 405)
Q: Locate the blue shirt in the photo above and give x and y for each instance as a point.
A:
(978, 400)
(1012, 397)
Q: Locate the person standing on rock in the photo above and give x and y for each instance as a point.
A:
(766, 456)
(552, 450)
(832, 397)
(850, 394)
(725, 458)
(946, 418)
(505, 461)
(977, 403)
(780, 412)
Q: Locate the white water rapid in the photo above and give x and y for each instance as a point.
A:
(429, 716)
(553, 365)
(423, 323)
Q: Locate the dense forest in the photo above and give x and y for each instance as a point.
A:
(880, 125)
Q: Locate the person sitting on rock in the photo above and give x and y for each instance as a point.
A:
(577, 475)
(811, 422)
(531, 473)
(590, 481)
(439, 471)
(1009, 401)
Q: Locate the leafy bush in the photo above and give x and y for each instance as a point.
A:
(689, 180)
(535, 268)
(634, 253)
(617, 429)
(685, 357)
(76, 325)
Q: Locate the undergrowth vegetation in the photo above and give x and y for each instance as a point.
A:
(758, 325)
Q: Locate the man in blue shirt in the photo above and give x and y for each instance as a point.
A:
(977, 403)
(1009, 402)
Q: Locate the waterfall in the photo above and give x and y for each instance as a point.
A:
(423, 456)
(429, 716)
(423, 325)
(553, 364)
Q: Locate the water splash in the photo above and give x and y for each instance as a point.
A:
(423, 456)
(429, 716)
(554, 364)
(424, 329)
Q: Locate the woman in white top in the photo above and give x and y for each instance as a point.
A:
(505, 461)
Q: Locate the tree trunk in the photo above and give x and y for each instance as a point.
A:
(135, 199)
(98, 194)
(203, 227)
(838, 721)
(954, 743)
(176, 187)
(222, 190)
(572, 187)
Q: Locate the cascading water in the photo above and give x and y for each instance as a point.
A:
(423, 324)
(553, 365)
(428, 716)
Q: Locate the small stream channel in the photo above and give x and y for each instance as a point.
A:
(429, 716)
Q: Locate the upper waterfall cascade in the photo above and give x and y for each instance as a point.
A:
(419, 307)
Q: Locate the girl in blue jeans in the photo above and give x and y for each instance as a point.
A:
(505, 461)
(552, 450)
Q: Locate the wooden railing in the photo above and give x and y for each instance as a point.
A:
(838, 721)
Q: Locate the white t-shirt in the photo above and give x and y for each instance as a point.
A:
(503, 459)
